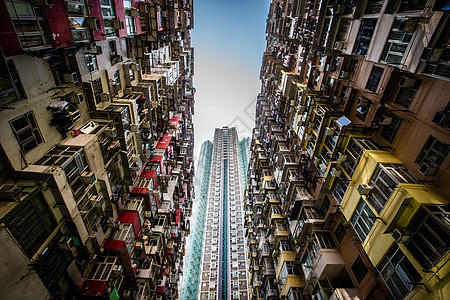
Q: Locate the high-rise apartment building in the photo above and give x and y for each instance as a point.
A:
(96, 181)
(348, 181)
(219, 222)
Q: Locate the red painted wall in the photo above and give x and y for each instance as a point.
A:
(59, 24)
(9, 42)
(120, 15)
(96, 12)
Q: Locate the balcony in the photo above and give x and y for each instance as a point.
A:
(322, 264)
(268, 268)
(152, 245)
(280, 232)
(275, 214)
(165, 207)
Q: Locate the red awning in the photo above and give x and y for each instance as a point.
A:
(156, 158)
(94, 287)
(148, 173)
(133, 218)
(181, 200)
(164, 142)
(113, 244)
(139, 191)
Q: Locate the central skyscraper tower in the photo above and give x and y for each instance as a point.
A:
(223, 265)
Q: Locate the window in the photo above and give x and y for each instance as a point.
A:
(30, 25)
(31, 223)
(51, 264)
(114, 55)
(430, 235)
(364, 37)
(363, 219)
(359, 269)
(286, 269)
(27, 131)
(11, 88)
(340, 232)
(91, 62)
(97, 89)
(398, 272)
(398, 41)
(116, 80)
(131, 72)
(407, 93)
(433, 154)
(131, 25)
(295, 293)
(285, 246)
(410, 5)
(389, 131)
(363, 108)
(324, 239)
(340, 185)
(374, 78)
(384, 180)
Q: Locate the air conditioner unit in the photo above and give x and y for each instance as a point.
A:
(335, 172)
(329, 131)
(399, 236)
(428, 170)
(66, 243)
(98, 50)
(88, 177)
(70, 77)
(117, 269)
(97, 201)
(111, 132)
(337, 99)
(105, 97)
(406, 81)
(385, 120)
(93, 23)
(341, 157)
(9, 193)
(364, 189)
(76, 98)
(134, 12)
(117, 24)
(362, 101)
(344, 74)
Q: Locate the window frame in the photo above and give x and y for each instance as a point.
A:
(398, 272)
(363, 213)
(423, 158)
(32, 125)
(424, 237)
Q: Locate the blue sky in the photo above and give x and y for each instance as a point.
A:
(229, 41)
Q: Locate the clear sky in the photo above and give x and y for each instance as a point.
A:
(229, 41)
